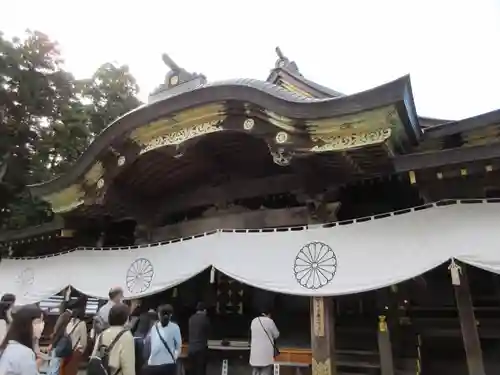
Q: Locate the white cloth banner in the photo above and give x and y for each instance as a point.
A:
(344, 259)
(140, 272)
(33, 280)
(318, 261)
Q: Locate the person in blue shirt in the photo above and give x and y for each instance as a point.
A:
(166, 344)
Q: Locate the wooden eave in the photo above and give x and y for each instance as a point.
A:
(430, 122)
(474, 131)
(295, 82)
(456, 156)
(276, 113)
(35, 233)
(463, 126)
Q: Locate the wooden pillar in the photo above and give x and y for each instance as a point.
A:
(468, 324)
(385, 347)
(323, 336)
(322, 311)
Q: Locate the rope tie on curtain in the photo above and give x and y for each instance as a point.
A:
(455, 271)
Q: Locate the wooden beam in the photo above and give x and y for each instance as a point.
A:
(467, 318)
(405, 163)
(247, 188)
(324, 360)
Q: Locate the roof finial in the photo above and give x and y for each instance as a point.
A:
(284, 62)
(176, 80)
(280, 54)
(170, 63)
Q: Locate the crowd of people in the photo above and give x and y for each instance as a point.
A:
(123, 343)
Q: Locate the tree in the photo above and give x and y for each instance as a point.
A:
(96, 102)
(112, 92)
(48, 119)
(33, 90)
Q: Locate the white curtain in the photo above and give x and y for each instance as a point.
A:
(478, 242)
(341, 260)
(33, 280)
(318, 261)
(140, 271)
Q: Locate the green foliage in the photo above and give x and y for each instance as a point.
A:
(48, 118)
(112, 92)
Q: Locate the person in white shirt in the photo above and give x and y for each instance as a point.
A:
(17, 352)
(101, 319)
(262, 345)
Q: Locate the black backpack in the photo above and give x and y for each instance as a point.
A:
(64, 346)
(99, 363)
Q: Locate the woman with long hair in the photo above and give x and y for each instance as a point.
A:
(6, 304)
(58, 333)
(166, 344)
(17, 348)
(142, 345)
(77, 330)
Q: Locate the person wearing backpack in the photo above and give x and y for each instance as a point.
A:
(166, 344)
(113, 352)
(76, 330)
(140, 332)
(58, 342)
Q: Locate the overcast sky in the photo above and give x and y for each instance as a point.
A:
(450, 48)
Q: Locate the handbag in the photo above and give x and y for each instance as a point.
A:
(273, 342)
(64, 346)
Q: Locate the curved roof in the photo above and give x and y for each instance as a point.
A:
(291, 107)
(357, 136)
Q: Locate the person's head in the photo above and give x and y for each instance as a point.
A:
(6, 304)
(118, 314)
(165, 313)
(201, 307)
(8, 298)
(27, 324)
(116, 295)
(265, 312)
(78, 313)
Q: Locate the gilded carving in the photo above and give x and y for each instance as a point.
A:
(318, 317)
(94, 174)
(182, 135)
(178, 121)
(354, 140)
(121, 161)
(321, 367)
